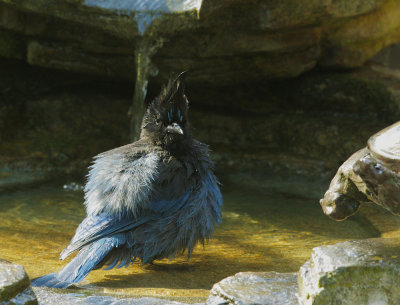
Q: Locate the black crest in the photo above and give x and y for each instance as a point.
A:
(166, 118)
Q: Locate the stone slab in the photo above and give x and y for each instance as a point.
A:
(353, 272)
(245, 288)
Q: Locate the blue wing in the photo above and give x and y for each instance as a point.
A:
(95, 227)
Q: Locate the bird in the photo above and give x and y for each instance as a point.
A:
(152, 199)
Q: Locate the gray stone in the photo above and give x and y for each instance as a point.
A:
(343, 197)
(48, 296)
(380, 184)
(353, 272)
(369, 175)
(15, 285)
(26, 297)
(245, 288)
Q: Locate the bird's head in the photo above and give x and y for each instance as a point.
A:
(166, 119)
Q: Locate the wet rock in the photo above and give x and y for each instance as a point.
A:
(343, 198)
(15, 285)
(370, 174)
(26, 297)
(255, 288)
(221, 42)
(353, 272)
(52, 297)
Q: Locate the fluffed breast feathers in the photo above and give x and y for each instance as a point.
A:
(134, 178)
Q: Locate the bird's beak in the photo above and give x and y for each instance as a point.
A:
(174, 128)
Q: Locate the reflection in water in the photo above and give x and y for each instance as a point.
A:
(269, 223)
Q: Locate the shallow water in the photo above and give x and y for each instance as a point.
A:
(269, 223)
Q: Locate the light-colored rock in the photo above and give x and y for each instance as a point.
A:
(15, 285)
(354, 272)
(263, 288)
(385, 146)
(48, 296)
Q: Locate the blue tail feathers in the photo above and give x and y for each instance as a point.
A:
(50, 280)
(86, 260)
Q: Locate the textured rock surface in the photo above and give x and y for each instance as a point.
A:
(219, 41)
(343, 198)
(53, 297)
(354, 272)
(26, 297)
(380, 184)
(371, 174)
(245, 288)
(385, 146)
(53, 123)
(15, 285)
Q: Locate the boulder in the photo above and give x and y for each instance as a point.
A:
(262, 288)
(369, 175)
(15, 285)
(353, 272)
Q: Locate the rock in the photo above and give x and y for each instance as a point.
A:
(70, 58)
(343, 198)
(26, 297)
(370, 174)
(380, 184)
(12, 45)
(353, 272)
(385, 146)
(255, 288)
(15, 285)
(220, 42)
(389, 57)
(52, 122)
(51, 297)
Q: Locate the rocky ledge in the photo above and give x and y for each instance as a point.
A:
(221, 42)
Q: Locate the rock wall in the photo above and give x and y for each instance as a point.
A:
(52, 124)
(239, 53)
(220, 42)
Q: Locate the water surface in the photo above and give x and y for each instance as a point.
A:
(270, 223)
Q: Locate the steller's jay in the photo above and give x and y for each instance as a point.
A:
(152, 199)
